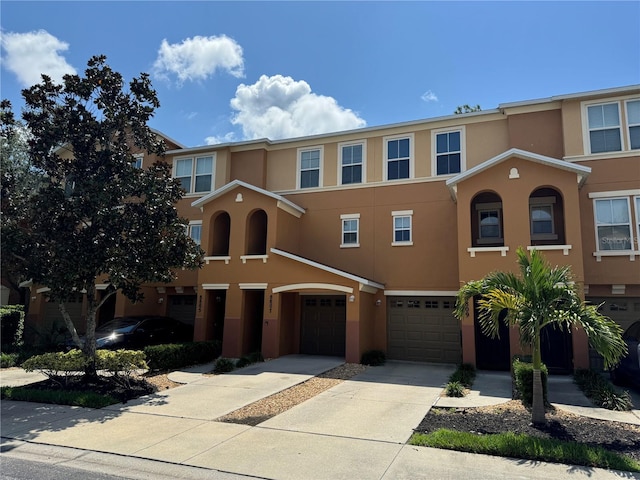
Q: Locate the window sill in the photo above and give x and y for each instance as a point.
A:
(616, 253)
(565, 248)
(244, 258)
(473, 250)
(195, 195)
(224, 259)
(350, 245)
(401, 244)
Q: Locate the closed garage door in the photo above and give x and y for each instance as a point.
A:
(623, 310)
(183, 308)
(323, 325)
(423, 329)
(53, 320)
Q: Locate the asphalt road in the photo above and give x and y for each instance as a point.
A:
(19, 469)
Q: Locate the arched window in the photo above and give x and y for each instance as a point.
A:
(546, 217)
(220, 231)
(486, 220)
(257, 233)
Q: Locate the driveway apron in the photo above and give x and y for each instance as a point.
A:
(383, 403)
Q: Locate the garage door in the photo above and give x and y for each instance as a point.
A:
(53, 320)
(323, 325)
(623, 310)
(183, 308)
(423, 329)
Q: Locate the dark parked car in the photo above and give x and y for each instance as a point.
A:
(628, 371)
(137, 332)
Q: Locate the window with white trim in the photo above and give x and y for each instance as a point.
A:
(604, 127)
(633, 123)
(541, 219)
(351, 163)
(350, 230)
(613, 224)
(309, 167)
(448, 152)
(637, 205)
(398, 157)
(137, 160)
(402, 231)
(195, 231)
(195, 174)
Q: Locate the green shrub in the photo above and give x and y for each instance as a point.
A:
(464, 374)
(8, 360)
(121, 364)
(523, 379)
(256, 357)
(455, 389)
(173, 356)
(223, 365)
(243, 362)
(11, 327)
(601, 392)
(59, 397)
(375, 358)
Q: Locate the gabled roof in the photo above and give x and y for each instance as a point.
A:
(362, 281)
(581, 171)
(287, 205)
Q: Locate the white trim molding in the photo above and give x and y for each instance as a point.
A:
(253, 286)
(473, 250)
(244, 258)
(565, 248)
(215, 286)
(225, 259)
(420, 293)
(312, 286)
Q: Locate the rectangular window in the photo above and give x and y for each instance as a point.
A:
(541, 220)
(402, 228)
(613, 225)
(351, 163)
(195, 174)
(350, 230)
(137, 161)
(633, 121)
(489, 224)
(637, 202)
(195, 232)
(309, 165)
(398, 158)
(604, 128)
(448, 153)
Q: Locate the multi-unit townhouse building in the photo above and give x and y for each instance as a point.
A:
(340, 243)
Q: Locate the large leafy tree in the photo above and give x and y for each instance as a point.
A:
(539, 297)
(19, 181)
(95, 215)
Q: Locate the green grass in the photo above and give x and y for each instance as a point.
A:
(526, 447)
(62, 397)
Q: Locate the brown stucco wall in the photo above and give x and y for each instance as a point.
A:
(537, 132)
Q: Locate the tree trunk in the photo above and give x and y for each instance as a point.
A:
(69, 324)
(90, 335)
(537, 407)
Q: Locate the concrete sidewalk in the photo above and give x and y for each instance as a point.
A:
(356, 429)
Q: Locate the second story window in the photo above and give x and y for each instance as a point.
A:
(309, 162)
(633, 121)
(398, 158)
(195, 174)
(137, 161)
(351, 163)
(604, 128)
(613, 224)
(402, 234)
(195, 231)
(350, 230)
(448, 152)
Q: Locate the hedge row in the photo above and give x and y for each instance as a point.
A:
(173, 356)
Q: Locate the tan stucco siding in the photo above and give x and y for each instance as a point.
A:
(250, 166)
(281, 169)
(537, 132)
(485, 141)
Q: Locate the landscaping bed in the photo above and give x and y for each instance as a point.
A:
(513, 417)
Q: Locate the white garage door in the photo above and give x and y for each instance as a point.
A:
(423, 329)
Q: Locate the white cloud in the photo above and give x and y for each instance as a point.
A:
(28, 55)
(215, 140)
(198, 58)
(429, 96)
(280, 107)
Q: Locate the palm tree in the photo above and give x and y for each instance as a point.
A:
(540, 296)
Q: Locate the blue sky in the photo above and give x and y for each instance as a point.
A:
(232, 71)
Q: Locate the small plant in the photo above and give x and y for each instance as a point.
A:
(224, 365)
(374, 358)
(455, 389)
(11, 327)
(465, 374)
(523, 380)
(243, 362)
(8, 360)
(601, 392)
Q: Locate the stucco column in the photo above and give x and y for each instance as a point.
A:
(352, 339)
(271, 325)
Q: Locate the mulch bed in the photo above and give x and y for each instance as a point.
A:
(618, 437)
